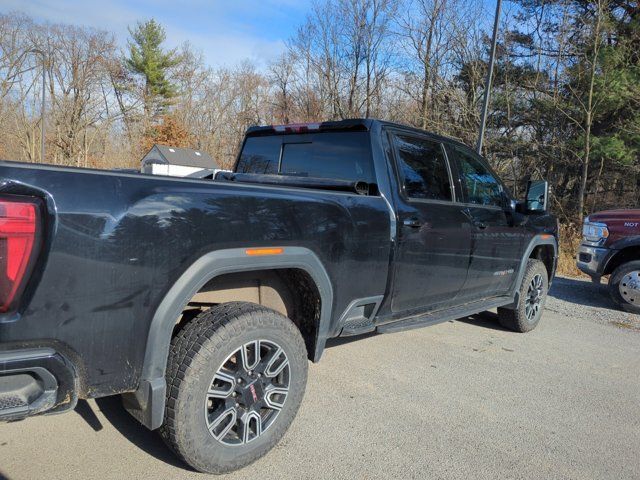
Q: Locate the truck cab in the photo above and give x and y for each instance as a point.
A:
(459, 238)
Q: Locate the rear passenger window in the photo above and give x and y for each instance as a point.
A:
(423, 168)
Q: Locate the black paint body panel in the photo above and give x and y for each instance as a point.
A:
(121, 242)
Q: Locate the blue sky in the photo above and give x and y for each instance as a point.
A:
(225, 31)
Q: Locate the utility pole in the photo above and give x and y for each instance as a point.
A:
(42, 108)
(487, 89)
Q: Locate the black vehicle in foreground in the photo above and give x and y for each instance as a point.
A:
(200, 300)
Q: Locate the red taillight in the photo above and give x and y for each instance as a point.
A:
(18, 235)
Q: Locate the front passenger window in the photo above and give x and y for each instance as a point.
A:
(480, 185)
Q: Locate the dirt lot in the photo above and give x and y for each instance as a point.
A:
(464, 399)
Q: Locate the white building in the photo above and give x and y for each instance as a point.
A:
(177, 162)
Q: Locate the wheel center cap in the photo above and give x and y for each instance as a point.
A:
(252, 394)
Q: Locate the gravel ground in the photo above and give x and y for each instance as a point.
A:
(463, 399)
(578, 297)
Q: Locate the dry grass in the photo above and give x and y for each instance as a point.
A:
(570, 236)
(626, 324)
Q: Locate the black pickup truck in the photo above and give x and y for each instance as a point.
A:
(200, 301)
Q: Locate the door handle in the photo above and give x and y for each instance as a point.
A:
(479, 224)
(412, 222)
(474, 221)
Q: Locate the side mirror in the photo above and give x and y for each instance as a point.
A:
(537, 196)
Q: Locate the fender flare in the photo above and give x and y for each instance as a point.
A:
(617, 247)
(541, 239)
(147, 403)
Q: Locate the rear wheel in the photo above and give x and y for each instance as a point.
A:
(532, 296)
(235, 380)
(624, 286)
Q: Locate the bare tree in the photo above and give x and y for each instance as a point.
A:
(281, 77)
(590, 103)
(420, 32)
(78, 60)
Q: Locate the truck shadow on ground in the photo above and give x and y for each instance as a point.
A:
(565, 289)
(483, 319)
(151, 443)
(570, 290)
(338, 341)
(146, 440)
(581, 292)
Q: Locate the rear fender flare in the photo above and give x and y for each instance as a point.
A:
(147, 403)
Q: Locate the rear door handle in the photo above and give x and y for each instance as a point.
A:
(412, 222)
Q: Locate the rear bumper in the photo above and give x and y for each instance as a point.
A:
(592, 260)
(34, 381)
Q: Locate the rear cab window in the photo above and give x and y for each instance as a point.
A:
(335, 155)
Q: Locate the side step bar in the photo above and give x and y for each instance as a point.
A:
(432, 318)
(359, 316)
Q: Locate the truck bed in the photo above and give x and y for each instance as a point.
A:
(116, 242)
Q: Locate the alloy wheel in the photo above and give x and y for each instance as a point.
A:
(247, 392)
(533, 299)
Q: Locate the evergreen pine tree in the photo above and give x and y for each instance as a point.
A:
(148, 59)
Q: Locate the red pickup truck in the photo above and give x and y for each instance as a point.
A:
(611, 246)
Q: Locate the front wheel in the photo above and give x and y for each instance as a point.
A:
(624, 286)
(532, 296)
(235, 380)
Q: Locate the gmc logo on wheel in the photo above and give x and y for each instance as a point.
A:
(253, 392)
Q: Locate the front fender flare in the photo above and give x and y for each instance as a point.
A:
(542, 239)
(616, 248)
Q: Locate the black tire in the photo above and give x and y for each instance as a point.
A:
(205, 347)
(626, 298)
(526, 316)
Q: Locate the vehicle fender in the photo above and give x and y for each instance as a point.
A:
(625, 242)
(616, 247)
(147, 403)
(541, 239)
